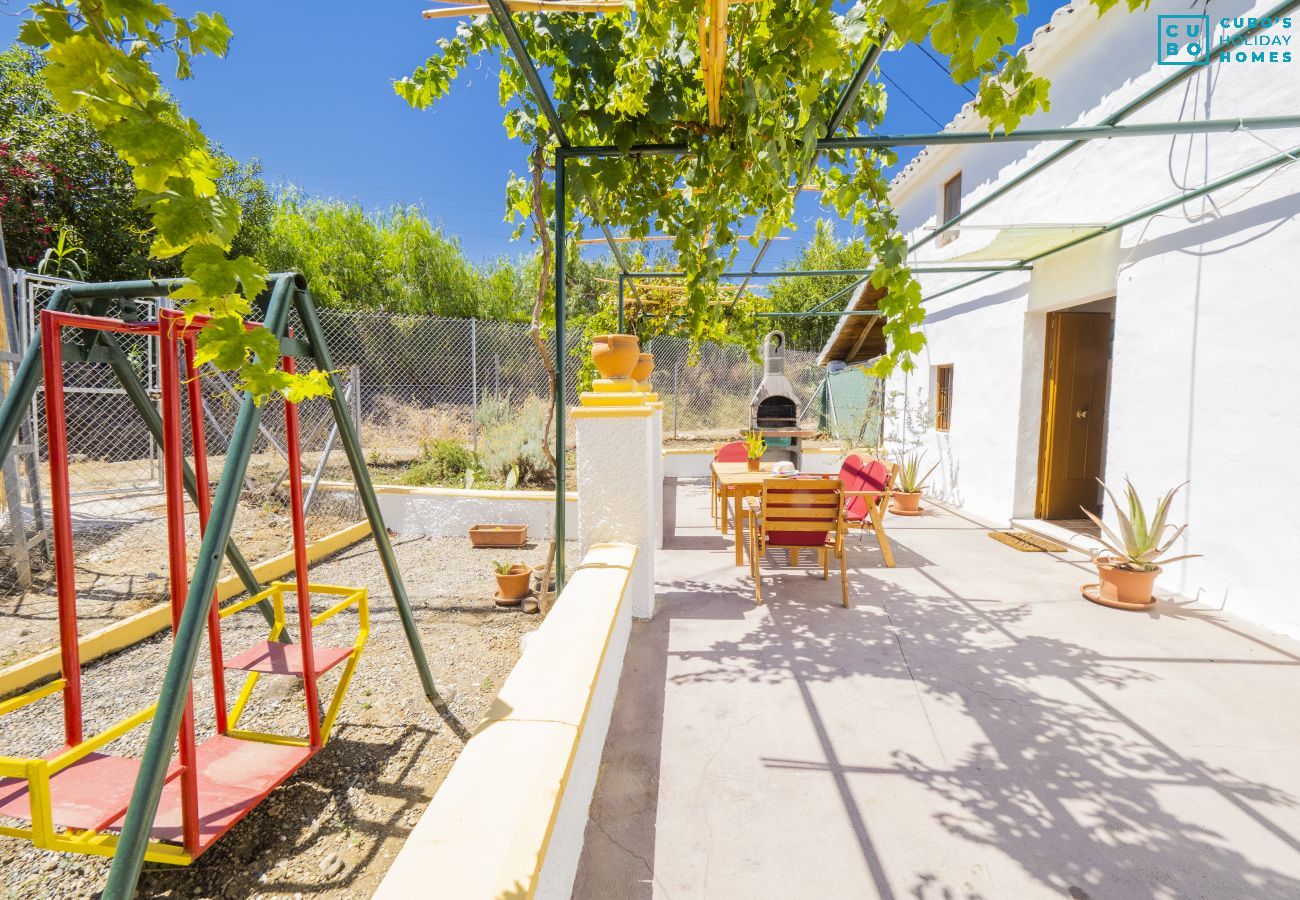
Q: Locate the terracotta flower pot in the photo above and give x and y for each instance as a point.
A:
(753, 464)
(615, 355)
(1125, 585)
(645, 364)
(514, 584)
(907, 502)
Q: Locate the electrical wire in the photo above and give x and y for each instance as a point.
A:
(894, 84)
(947, 71)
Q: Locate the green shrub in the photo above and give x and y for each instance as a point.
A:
(510, 437)
(440, 461)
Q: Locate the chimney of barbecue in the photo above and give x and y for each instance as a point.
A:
(774, 404)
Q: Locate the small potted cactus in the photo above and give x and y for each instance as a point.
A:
(755, 447)
(1137, 546)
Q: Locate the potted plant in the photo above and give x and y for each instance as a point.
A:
(1137, 546)
(755, 447)
(512, 581)
(909, 484)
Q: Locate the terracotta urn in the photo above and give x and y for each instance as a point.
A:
(645, 364)
(615, 355)
(1125, 586)
(907, 502)
(513, 585)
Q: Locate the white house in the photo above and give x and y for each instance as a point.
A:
(1166, 350)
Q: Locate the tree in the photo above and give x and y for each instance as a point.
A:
(395, 260)
(98, 56)
(56, 172)
(750, 111)
(640, 77)
(823, 251)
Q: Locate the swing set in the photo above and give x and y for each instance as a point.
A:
(80, 798)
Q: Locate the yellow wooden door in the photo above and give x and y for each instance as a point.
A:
(1074, 414)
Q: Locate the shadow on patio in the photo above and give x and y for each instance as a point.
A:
(969, 728)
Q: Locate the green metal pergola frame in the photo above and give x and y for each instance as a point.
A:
(1076, 137)
(289, 290)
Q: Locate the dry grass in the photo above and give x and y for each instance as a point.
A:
(399, 428)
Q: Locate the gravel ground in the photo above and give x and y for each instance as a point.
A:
(121, 565)
(332, 830)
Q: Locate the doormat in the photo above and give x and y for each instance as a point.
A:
(1029, 543)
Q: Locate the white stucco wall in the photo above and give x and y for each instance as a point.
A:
(510, 817)
(564, 850)
(618, 476)
(695, 463)
(1207, 317)
(451, 512)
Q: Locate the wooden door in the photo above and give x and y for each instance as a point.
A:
(1074, 414)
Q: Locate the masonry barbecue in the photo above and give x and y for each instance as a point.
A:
(774, 408)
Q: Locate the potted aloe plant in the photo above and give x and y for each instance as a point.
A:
(512, 581)
(1137, 546)
(909, 483)
(755, 447)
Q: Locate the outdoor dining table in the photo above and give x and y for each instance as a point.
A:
(734, 478)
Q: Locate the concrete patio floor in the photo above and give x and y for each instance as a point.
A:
(970, 728)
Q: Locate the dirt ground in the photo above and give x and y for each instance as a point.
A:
(332, 829)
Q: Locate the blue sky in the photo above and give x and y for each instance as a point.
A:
(307, 89)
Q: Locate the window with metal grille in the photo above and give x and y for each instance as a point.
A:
(942, 398)
(950, 207)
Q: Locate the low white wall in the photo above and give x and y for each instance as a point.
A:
(687, 463)
(509, 819)
(695, 463)
(564, 851)
(450, 512)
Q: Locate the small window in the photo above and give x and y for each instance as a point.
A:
(942, 398)
(950, 207)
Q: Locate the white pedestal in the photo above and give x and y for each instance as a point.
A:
(657, 487)
(618, 464)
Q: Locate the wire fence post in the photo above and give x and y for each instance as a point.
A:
(473, 384)
(677, 400)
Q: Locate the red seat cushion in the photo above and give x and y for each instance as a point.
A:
(797, 538)
(732, 452)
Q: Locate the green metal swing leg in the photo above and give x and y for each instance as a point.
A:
(365, 489)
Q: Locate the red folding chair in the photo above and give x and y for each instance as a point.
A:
(867, 489)
(732, 452)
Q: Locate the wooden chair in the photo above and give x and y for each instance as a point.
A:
(798, 514)
(734, 451)
(867, 489)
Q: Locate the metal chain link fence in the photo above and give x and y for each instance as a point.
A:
(410, 380)
(706, 393)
